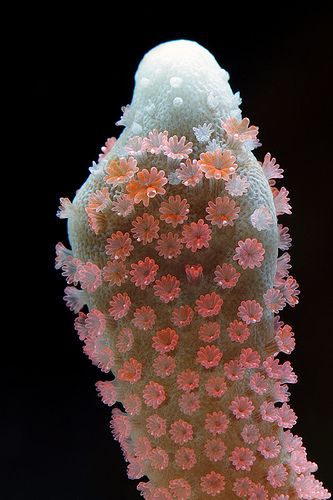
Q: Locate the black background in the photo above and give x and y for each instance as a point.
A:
(75, 77)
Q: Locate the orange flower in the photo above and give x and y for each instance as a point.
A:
(147, 185)
(240, 130)
(121, 170)
(217, 165)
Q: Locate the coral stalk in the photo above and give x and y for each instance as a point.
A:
(175, 247)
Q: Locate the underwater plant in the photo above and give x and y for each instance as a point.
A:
(177, 273)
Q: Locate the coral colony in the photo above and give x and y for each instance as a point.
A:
(178, 274)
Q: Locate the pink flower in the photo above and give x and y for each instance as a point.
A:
(185, 458)
(169, 245)
(119, 245)
(212, 483)
(223, 212)
(271, 168)
(210, 331)
(188, 380)
(284, 238)
(281, 199)
(249, 253)
(307, 487)
(130, 371)
(216, 386)
(120, 425)
(62, 254)
(242, 486)
(240, 130)
(209, 356)
(122, 205)
(208, 305)
(80, 325)
(216, 422)
(132, 404)
(250, 311)
(154, 394)
(249, 358)
(189, 403)
(99, 200)
(180, 489)
(233, 370)
(155, 141)
(142, 448)
(156, 426)
(99, 353)
(115, 272)
(165, 340)
(196, 235)
(176, 148)
(75, 299)
(145, 228)
(217, 165)
(268, 411)
(250, 433)
(215, 449)
(144, 318)
(238, 331)
(277, 475)
(135, 146)
(174, 211)
(181, 432)
(237, 185)
(120, 171)
(194, 273)
(259, 384)
(95, 323)
(182, 316)
(269, 447)
(189, 173)
(96, 220)
(242, 458)
(107, 147)
(66, 209)
(272, 367)
(285, 416)
(282, 268)
(285, 339)
(167, 288)
(144, 272)
(164, 365)
(290, 291)
(226, 276)
(159, 459)
(280, 393)
(274, 300)
(262, 219)
(107, 392)
(90, 277)
(299, 462)
(146, 185)
(125, 340)
(70, 268)
(160, 494)
(120, 304)
(241, 407)
(258, 492)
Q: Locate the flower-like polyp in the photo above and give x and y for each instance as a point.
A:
(176, 281)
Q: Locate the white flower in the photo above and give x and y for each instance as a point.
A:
(203, 132)
(126, 118)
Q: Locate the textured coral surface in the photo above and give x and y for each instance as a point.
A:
(178, 271)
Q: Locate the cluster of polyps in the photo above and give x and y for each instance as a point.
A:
(175, 313)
